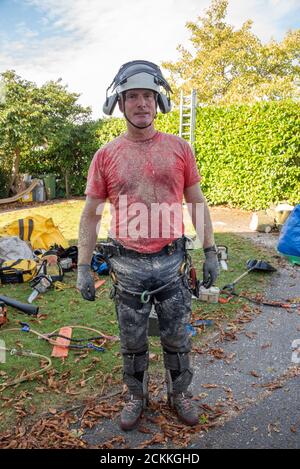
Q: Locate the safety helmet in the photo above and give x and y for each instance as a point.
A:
(138, 74)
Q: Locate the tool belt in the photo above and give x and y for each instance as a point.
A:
(138, 299)
(114, 248)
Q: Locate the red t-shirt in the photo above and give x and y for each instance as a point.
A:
(144, 182)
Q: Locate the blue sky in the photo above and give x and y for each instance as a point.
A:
(20, 19)
(84, 42)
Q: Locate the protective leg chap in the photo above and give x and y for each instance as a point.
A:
(135, 374)
(179, 375)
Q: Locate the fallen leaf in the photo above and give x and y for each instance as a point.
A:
(268, 344)
(272, 386)
(202, 395)
(32, 409)
(255, 374)
(210, 386)
(154, 356)
(250, 335)
(96, 360)
(158, 438)
(77, 433)
(52, 411)
(273, 427)
(144, 430)
(217, 353)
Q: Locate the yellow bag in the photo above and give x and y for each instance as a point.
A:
(18, 271)
(39, 231)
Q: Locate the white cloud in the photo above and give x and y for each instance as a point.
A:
(283, 7)
(267, 15)
(92, 38)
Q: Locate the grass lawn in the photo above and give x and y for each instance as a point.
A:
(87, 373)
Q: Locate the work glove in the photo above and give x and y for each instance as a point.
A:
(210, 268)
(85, 282)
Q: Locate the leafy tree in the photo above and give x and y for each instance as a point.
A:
(71, 154)
(229, 66)
(32, 117)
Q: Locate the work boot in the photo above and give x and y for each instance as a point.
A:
(185, 409)
(131, 412)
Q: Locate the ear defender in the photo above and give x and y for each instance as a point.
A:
(110, 104)
(164, 103)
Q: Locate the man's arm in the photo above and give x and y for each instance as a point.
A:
(88, 229)
(200, 215)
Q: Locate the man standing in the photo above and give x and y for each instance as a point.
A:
(146, 172)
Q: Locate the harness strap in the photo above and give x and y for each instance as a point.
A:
(30, 228)
(21, 228)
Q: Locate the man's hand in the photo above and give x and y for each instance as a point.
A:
(85, 282)
(210, 268)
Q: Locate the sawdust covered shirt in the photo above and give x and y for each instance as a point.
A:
(144, 182)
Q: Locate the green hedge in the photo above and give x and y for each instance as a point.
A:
(249, 155)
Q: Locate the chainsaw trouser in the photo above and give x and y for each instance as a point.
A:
(149, 272)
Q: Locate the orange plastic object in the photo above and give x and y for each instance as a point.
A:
(99, 283)
(225, 300)
(58, 350)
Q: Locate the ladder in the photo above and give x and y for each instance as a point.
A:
(188, 117)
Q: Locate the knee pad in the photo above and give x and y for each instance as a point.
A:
(179, 374)
(135, 362)
(176, 361)
(135, 373)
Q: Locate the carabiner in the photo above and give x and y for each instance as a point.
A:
(147, 295)
(183, 268)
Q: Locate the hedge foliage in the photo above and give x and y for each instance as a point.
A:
(248, 155)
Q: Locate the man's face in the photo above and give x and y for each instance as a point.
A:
(140, 106)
